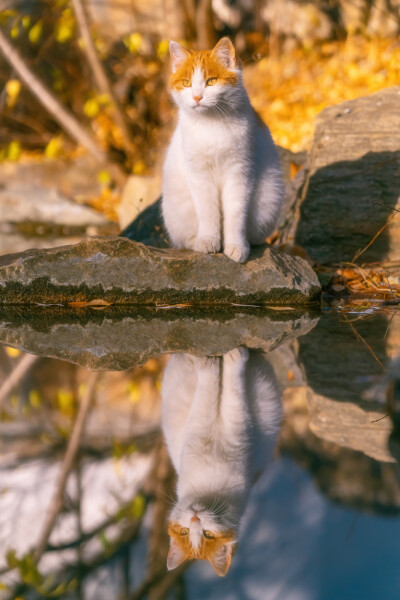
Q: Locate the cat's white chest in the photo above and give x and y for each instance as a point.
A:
(211, 142)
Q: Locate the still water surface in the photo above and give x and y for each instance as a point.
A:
(262, 442)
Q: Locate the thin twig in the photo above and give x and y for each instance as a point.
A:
(359, 252)
(387, 206)
(388, 325)
(361, 339)
(99, 73)
(68, 462)
(380, 419)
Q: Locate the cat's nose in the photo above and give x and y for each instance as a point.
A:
(197, 99)
(195, 519)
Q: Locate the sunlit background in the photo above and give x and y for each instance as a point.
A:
(85, 118)
(298, 57)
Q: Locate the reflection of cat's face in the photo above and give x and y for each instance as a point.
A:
(199, 533)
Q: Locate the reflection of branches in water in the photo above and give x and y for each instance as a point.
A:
(144, 444)
(160, 583)
(82, 569)
(118, 532)
(157, 582)
(68, 463)
(16, 375)
(361, 339)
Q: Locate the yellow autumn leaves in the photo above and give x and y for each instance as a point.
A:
(136, 43)
(18, 23)
(291, 89)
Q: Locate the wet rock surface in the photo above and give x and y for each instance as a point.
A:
(119, 271)
(117, 339)
(351, 185)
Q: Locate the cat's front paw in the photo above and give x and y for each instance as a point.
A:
(207, 245)
(240, 354)
(238, 253)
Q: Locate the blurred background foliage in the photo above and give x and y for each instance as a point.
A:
(298, 56)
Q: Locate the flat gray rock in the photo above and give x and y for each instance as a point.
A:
(117, 338)
(43, 204)
(24, 202)
(352, 183)
(119, 271)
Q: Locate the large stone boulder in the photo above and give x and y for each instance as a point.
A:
(118, 271)
(351, 187)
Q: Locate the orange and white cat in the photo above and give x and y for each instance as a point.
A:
(220, 418)
(222, 183)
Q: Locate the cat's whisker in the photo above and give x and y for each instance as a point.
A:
(170, 500)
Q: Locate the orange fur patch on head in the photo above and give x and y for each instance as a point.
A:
(210, 65)
(209, 549)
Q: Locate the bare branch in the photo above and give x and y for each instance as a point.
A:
(204, 25)
(189, 12)
(68, 463)
(65, 119)
(99, 74)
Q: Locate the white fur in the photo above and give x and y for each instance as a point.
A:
(222, 183)
(221, 418)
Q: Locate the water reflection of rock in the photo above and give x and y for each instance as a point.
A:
(116, 339)
(339, 358)
(330, 426)
(221, 418)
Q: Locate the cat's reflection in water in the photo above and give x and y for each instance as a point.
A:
(221, 419)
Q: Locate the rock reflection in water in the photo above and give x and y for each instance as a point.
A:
(221, 417)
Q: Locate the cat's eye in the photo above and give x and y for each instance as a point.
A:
(211, 81)
(208, 534)
(186, 82)
(184, 531)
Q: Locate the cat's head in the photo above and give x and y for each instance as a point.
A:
(200, 533)
(205, 80)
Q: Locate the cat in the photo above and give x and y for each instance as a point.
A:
(220, 419)
(222, 182)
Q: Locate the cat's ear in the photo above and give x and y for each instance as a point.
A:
(176, 555)
(221, 559)
(178, 55)
(224, 51)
